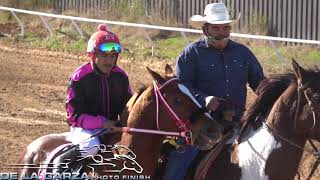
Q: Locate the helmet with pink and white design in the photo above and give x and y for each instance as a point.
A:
(104, 41)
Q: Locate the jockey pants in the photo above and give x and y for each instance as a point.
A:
(178, 163)
(89, 146)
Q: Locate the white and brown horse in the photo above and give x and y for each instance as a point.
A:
(291, 105)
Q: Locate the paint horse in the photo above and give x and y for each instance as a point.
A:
(165, 109)
(273, 151)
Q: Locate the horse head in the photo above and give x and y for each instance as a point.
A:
(184, 113)
(307, 113)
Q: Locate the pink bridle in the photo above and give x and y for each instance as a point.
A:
(182, 124)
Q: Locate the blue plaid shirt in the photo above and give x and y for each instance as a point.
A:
(221, 73)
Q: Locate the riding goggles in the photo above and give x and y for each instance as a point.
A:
(110, 47)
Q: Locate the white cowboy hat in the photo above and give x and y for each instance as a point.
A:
(214, 13)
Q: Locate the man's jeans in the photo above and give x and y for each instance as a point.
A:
(179, 163)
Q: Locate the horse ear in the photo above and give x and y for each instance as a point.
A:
(156, 77)
(298, 70)
(168, 70)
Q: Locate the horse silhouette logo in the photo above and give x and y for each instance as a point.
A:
(112, 160)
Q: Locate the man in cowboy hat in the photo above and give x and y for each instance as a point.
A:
(216, 68)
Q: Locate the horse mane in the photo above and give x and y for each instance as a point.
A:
(268, 92)
(270, 89)
(125, 114)
(134, 98)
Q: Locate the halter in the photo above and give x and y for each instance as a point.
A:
(315, 152)
(302, 88)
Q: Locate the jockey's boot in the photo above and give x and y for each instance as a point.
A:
(70, 161)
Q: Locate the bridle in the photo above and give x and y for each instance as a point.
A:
(316, 153)
(182, 124)
(302, 89)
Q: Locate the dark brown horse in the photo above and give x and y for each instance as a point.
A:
(167, 107)
(290, 102)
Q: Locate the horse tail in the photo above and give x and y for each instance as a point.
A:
(26, 158)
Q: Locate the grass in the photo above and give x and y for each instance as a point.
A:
(171, 47)
(138, 48)
(167, 45)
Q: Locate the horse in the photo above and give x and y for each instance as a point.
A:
(166, 108)
(273, 150)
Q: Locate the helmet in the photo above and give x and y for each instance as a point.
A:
(104, 41)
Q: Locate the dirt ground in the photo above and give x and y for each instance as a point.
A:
(32, 95)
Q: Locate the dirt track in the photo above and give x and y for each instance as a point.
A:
(31, 97)
(32, 94)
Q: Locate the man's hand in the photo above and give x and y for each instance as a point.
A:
(212, 103)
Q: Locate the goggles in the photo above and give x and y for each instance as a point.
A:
(110, 47)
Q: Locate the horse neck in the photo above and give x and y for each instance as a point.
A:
(281, 118)
(145, 146)
(281, 121)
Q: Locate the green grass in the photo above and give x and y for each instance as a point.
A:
(171, 47)
(6, 16)
(306, 55)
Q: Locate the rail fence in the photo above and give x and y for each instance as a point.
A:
(282, 18)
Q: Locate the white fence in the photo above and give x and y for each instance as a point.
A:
(73, 18)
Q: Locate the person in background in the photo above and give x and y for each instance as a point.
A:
(97, 94)
(215, 68)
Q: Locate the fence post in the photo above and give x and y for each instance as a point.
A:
(186, 40)
(77, 28)
(20, 23)
(150, 42)
(280, 57)
(46, 25)
(147, 7)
